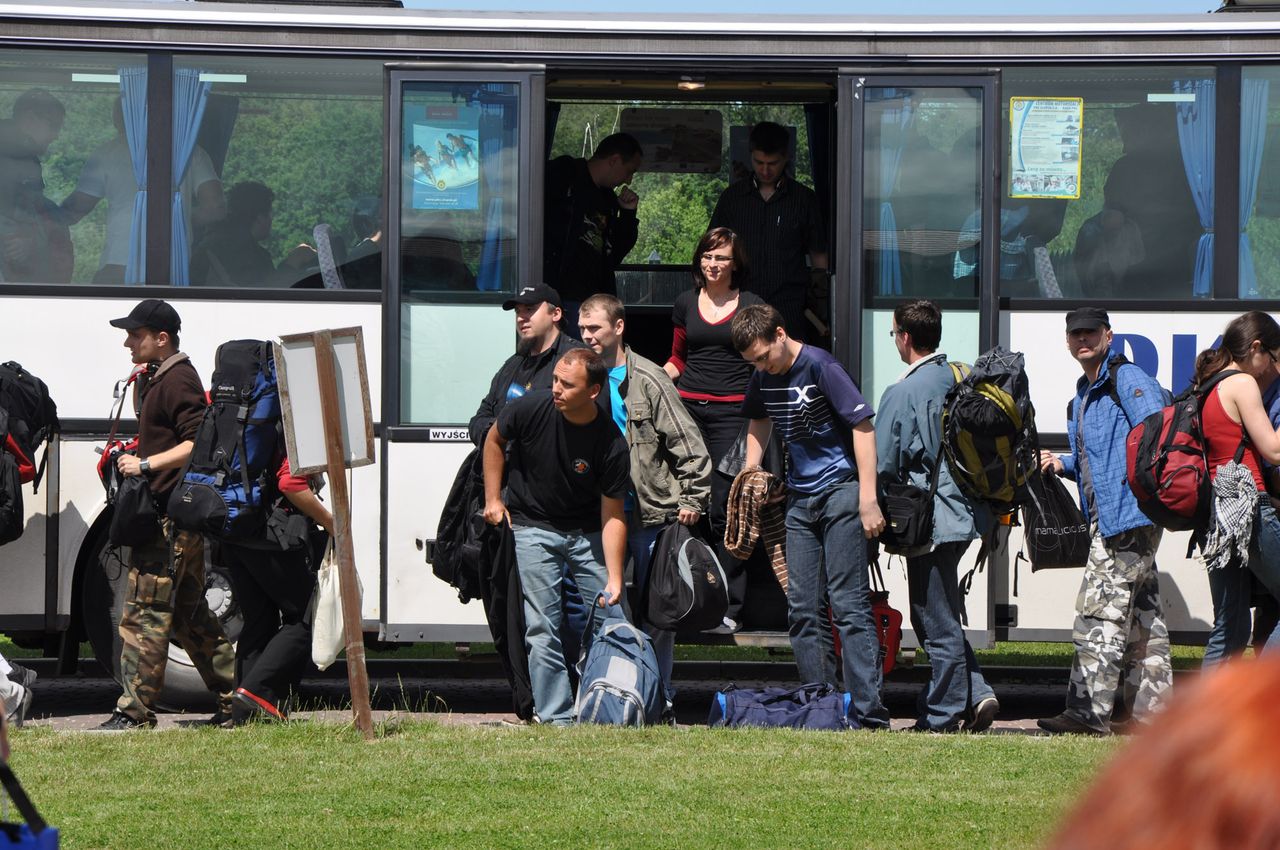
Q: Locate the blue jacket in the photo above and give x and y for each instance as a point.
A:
(909, 440)
(1106, 427)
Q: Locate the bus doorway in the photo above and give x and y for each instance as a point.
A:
(694, 134)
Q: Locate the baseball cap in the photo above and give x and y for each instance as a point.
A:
(1087, 319)
(533, 294)
(150, 313)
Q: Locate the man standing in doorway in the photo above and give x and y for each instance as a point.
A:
(566, 479)
(670, 467)
(539, 345)
(165, 594)
(587, 228)
(1122, 642)
(831, 506)
(780, 224)
(909, 447)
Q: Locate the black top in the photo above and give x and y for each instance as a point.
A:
(712, 366)
(585, 233)
(777, 233)
(517, 376)
(557, 471)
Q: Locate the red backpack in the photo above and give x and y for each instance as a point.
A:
(1167, 466)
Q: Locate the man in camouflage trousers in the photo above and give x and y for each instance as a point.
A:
(1122, 643)
(165, 594)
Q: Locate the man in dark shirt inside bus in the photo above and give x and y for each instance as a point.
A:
(567, 476)
(587, 229)
(780, 224)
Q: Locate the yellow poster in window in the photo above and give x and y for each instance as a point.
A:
(1044, 146)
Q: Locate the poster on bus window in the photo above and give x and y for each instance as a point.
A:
(1044, 146)
(445, 155)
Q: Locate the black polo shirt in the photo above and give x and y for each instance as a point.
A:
(557, 471)
(777, 233)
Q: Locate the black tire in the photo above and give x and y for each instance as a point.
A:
(103, 583)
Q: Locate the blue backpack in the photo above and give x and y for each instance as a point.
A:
(813, 706)
(228, 487)
(619, 682)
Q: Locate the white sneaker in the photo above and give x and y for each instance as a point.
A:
(728, 627)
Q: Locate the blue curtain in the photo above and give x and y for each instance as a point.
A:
(1196, 127)
(189, 97)
(1253, 137)
(894, 122)
(133, 102)
(499, 128)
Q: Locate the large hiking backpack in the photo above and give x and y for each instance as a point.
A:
(989, 431)
(28, 417)
(31, 418)
(687, 589)
(1167, 467)
(619, 682)
(228, 487)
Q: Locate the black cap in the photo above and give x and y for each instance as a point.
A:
(151, 313)
(533, 294)
(1087, 319)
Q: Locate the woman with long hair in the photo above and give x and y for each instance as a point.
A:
(712, 377)
(1243, 536)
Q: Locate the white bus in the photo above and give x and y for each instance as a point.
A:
(1007, 168)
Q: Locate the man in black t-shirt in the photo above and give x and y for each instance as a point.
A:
(567, 476)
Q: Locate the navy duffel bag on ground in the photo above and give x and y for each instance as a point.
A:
(814, 706)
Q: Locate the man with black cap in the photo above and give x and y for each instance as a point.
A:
(165, 594)
(1122, 642)
(539, 345)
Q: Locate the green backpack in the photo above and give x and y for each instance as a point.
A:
(989, 430)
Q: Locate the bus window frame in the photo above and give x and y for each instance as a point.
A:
(849, 287)
(531, 83)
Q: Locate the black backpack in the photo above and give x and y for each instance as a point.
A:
(28, 417)
(455, 557)
(229, 485)
(989, 431)
(687, 589)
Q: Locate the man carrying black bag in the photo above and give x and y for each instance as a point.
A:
(165, 594)
(909, 451)
(670, 466)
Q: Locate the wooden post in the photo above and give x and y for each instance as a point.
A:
(357, 673)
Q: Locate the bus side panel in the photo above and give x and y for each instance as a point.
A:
(419, 605)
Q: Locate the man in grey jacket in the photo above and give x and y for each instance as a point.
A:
(670, 466)
(909, 449)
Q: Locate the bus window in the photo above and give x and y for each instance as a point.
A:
(61, 136)
(1108, 183)
(1260, 183)
(459, 225)
(277, 167)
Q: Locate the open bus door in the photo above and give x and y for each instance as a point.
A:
(920, 170)
(463, 167)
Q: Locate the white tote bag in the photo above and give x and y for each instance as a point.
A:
(327, 636)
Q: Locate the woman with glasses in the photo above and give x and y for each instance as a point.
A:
(712, 377)
(1243, 529)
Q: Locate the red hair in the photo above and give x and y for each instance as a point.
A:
(1204, 775)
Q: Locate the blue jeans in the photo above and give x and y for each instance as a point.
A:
(956, 681)
(1232, 589)
(827, 556)
(640, 541)
(541, 558)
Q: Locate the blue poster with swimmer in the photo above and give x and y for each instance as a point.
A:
(444, 151)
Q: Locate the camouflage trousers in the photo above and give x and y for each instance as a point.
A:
(160, 604)
(1122, 642)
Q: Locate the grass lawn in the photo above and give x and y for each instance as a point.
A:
(429, 785)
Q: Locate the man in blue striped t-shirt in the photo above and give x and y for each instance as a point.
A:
(831, 504)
